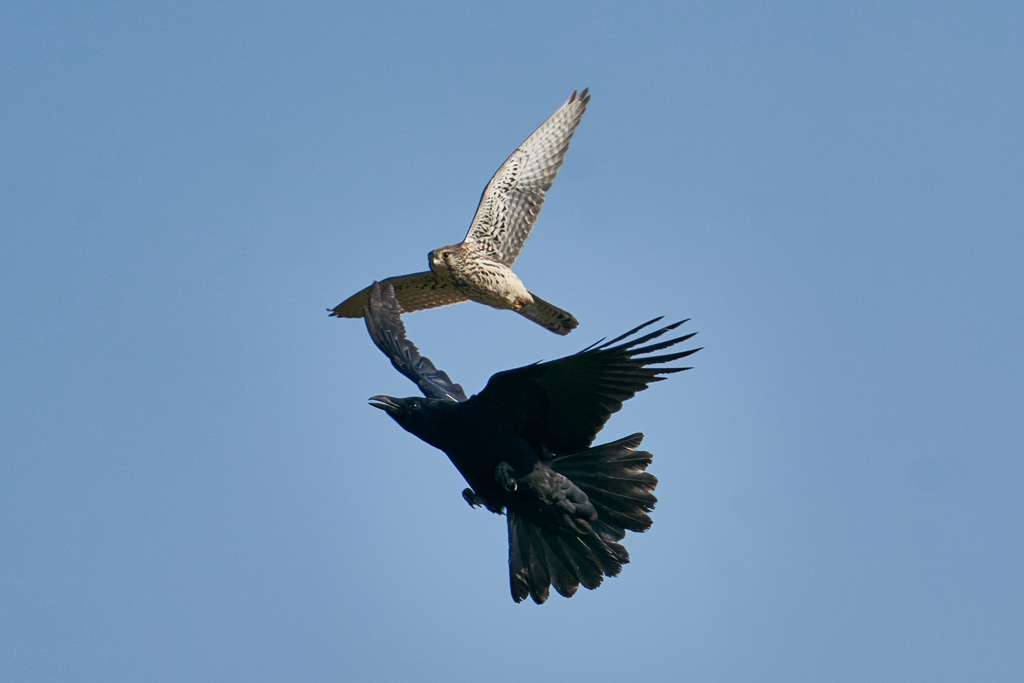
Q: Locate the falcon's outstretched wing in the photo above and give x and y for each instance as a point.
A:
(513, 198)
(384, 323)
(562, 404)
(415, 292)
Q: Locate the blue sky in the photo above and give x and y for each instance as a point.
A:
(193, 486)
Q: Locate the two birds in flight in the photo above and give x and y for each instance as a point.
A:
(525, 443)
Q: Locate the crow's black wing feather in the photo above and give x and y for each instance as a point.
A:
(384, 323)
(563, 404)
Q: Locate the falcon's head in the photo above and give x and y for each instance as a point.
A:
(446, 260)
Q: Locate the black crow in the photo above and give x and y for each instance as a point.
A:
(523, 446)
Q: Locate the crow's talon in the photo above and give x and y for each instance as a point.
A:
(470, 496)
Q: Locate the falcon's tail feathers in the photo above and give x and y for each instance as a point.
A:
(549, 316)
(614, 478)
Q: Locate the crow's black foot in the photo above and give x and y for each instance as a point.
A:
(471, 498)
(475, 501)
(505, 476)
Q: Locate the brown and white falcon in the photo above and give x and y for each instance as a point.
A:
(480, 267)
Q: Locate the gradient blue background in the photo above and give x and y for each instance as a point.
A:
(193, 487)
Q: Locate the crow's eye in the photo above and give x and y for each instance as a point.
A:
(414, 406)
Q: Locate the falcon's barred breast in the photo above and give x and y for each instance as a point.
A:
(480, 267)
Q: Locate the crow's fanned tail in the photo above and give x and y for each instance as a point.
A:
(614, 479)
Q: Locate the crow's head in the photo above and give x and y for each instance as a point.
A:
(420, 416)
(396, 407)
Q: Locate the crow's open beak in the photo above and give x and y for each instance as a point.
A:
(385, 403)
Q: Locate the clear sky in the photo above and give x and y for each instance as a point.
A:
(194, 488)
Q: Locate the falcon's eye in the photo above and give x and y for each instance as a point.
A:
(445, 255)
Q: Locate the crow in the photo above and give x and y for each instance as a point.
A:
(523, 444)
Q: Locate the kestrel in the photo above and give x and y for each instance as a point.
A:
(480, 267)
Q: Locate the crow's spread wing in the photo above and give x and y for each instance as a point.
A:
(562, 404)
(384, 323)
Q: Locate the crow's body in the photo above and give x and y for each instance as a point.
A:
(475, 439)
(523, 444)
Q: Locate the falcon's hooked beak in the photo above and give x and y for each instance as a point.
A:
(435, 261)
(385, 403)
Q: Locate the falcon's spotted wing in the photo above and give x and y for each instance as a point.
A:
(563, 404)
(513, 198)
(384, 323)
(415, 292)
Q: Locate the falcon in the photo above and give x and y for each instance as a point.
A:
(524, 445)
(480, 267)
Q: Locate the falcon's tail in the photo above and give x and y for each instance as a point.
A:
(614, 478)
(549, 316)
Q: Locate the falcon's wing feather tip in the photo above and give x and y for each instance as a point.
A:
(354, 306)
(580, 95)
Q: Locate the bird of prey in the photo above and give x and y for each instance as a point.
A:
(523, 444)
(480, 267)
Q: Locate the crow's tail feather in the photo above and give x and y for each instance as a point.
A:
(614, 478)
